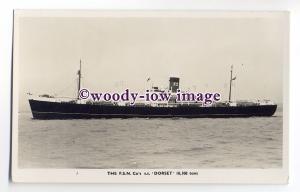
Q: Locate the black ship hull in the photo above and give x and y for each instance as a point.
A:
(61, 110)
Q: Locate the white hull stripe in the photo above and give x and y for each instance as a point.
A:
(109, 114)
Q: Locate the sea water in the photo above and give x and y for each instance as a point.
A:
(254, 142)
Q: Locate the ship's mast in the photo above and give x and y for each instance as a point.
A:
(230, 83)
(79, 80)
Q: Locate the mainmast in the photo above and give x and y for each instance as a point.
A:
(79, 80)
(230, 83)
(231, 79)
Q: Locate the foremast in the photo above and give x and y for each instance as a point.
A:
(79, 80)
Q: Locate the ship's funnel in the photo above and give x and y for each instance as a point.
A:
(174, 84)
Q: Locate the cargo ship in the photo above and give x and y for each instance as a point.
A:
(49, 107)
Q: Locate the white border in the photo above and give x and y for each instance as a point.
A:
(6, 9)
(259, 176)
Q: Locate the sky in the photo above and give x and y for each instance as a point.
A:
(123, 52)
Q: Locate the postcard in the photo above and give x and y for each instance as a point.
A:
(150, 96)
